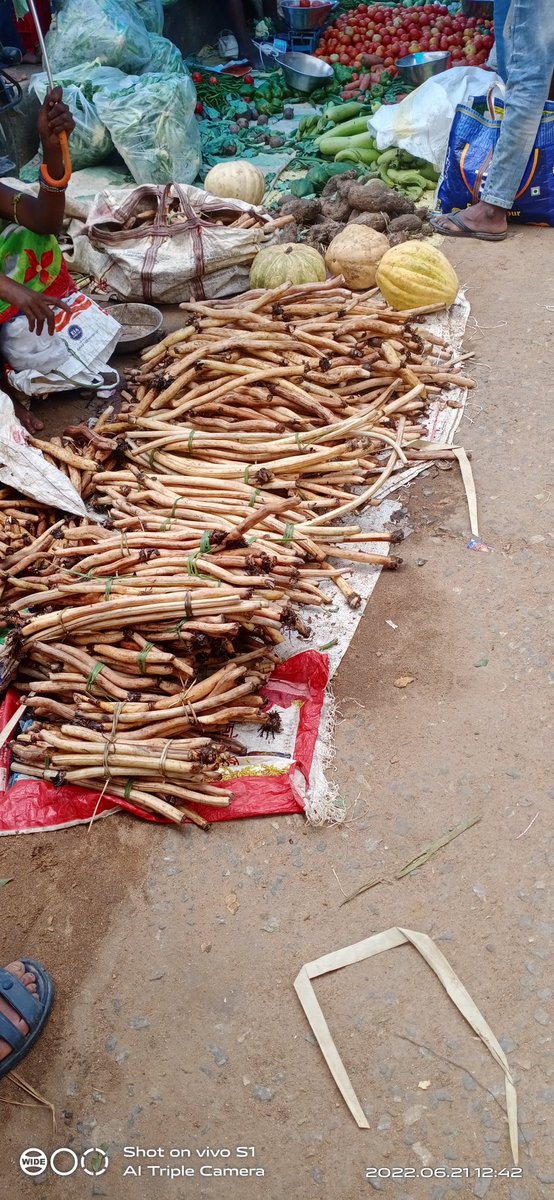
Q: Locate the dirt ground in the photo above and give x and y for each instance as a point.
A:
(177, 1030)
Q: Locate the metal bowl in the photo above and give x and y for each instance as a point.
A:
(416, 68)
(140, 325)
(305, 72)
(304, 20)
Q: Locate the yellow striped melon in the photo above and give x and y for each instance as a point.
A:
(416, 275)
(288, 263)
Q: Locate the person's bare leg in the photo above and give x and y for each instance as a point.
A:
(28, 980)
(29, 422)
(237, 22)
(270, 10)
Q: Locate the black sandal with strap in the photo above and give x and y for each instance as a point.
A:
(462, 230)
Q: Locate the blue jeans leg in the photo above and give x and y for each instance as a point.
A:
(530, 59)
(501, 34)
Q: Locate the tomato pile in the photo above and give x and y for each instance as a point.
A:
(373, 31)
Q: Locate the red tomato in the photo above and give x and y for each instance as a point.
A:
(388, 33)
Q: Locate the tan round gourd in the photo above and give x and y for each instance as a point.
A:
(239, 180)
(356, 253)
(416, 275)
(289, 262)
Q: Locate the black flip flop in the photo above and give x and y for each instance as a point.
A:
(34, 1012)
(464, 231)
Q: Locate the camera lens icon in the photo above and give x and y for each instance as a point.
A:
(33, 1161)
(94, 1161)
(64, 1161)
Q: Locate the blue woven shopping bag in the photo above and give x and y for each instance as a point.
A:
(473, 137)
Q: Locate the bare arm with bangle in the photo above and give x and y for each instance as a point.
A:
(41, 214)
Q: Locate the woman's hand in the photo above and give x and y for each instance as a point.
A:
(54, 118)
(40, 310)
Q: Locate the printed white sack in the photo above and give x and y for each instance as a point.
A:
(76, 355)
(24, 468)
(179, 254)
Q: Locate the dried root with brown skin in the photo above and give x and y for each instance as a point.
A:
(250, 433)
(373, 220)
(375, 196)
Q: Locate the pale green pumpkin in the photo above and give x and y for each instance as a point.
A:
(287, 263)
(238, 180)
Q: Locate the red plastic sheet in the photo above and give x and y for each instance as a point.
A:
(32, 805)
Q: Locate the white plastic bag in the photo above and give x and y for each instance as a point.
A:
(90, 141)
(75, 355)
(153, 126)
(420, 124)
(166, 58)
(152, 13)
(88, 76)
(112, 31)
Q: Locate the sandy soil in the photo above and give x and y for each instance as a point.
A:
(176, 1025)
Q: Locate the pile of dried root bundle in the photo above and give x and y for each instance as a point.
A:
(251, 431)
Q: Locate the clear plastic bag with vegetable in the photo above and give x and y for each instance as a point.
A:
(89, 77)
(152, 124)
(152, 13)
(90, 141)
(166, 58)
(111, 31)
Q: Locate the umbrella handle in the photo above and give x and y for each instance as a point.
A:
(59, 183)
